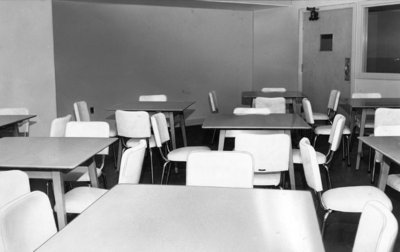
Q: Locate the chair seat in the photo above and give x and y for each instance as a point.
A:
(353, 198)
(80, 174)
(181, 154)
(80, 198)
(326, 130)
(320, 116)
(394, 181)
(135, 142)
(321, 158)
(267, 179)
(235, 133)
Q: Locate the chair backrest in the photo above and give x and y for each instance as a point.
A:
(81, 111)
(58, 125)
(336, 131)
(276, 105)
(220, 169)
(88, 129)
(26, 223)
(270, 152)
(160, 129)
(387, 117)
(23, 127)
(251, 111)
(273, 89)
(377, 229)
(153, 98)
(131, 164)
(212, 99)
(13, 184)
(366, 95)
(333, 101)
(133, 124)
(310, 165)
(392, 130)
(308, 113)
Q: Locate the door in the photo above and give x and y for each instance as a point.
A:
(327, 55)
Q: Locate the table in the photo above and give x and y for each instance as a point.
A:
(286, 122)
(368, 106)
(49, 157)
(389, 146)
(183, 218)
(294, 96)
(168, 107)
(7, 120)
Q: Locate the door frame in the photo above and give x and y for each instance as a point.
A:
(302, 12)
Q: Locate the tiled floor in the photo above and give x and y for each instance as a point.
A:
(341, 228)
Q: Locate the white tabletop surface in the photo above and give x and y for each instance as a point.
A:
(182, 218)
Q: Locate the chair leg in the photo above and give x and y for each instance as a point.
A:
(315, 140)
(163, 171)
(343, 150)
(348, 151)
(168, 172)
(324, 221)
(328, 177)
(373, 172)
(151, 166)
(213, 136)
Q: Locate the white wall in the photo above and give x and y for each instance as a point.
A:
(27, 61)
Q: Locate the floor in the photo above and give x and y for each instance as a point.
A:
(341, 228)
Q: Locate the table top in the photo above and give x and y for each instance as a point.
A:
(271, 121)
(49, 153)
(374, 102)
(6, 120)
(389, 146)
(183, 218)
(167, 106)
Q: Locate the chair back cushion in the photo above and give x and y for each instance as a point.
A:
(212, 99)
(23, 127)
(58, 125)
(387, 117)
(26, 223)
(220, 169)
(276, 105)
(133, 124)
(310, 165)
(366, 95)
(335, 136)
(153, 98)
(273, 89)
(377, 229)
(333, 101)
(308, 113)
(160, 128)
(251, 111)
(81, 111)
(131, 164)
(13, 184)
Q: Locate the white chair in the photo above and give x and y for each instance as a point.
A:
(87, 129)
(162, 139)
(58, 125)
(212, 99)
(220, 169)
(332, 106)
(80, 198)
(275, 105)
(366, 95)
(13, 184)
(153, 98)
(26, 223)
(270, 154)
(132, 127)
(377, 229)
(351, 199)
(273, 89)
(23, 127)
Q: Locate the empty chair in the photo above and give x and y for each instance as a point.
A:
(26, 223)
(377, 229)
(162, 139)
(220, 169)
(13, 184)
(273, 89)
(23, 127)
(80, 198)
(332, 106)
(87, 129)
(350, 199)
(275, 105)
(270, 154)
(153, 98)
(58, 125)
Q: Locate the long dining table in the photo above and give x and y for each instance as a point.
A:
(184, 218)
(13, 120)
(285, 122)
(50, 157)
(368, 106)
(293, 97)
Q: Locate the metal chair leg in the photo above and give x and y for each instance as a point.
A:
(163, 171)
(328, 176)
(324, 222)
(348, 151)
(315, 140)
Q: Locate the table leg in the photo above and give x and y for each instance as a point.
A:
(362, 127)
(291, 166)
(183, 128)
(93, 174)
(58, 189)
(383, 173)
(172, 128)
(119, 153)
(221, 140)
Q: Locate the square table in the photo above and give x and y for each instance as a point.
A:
(8, 120)
(368, 106)
(389, 146)
(293, 97)
(49, 157)
(286, 122)
(184, 218)
(168, 107)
